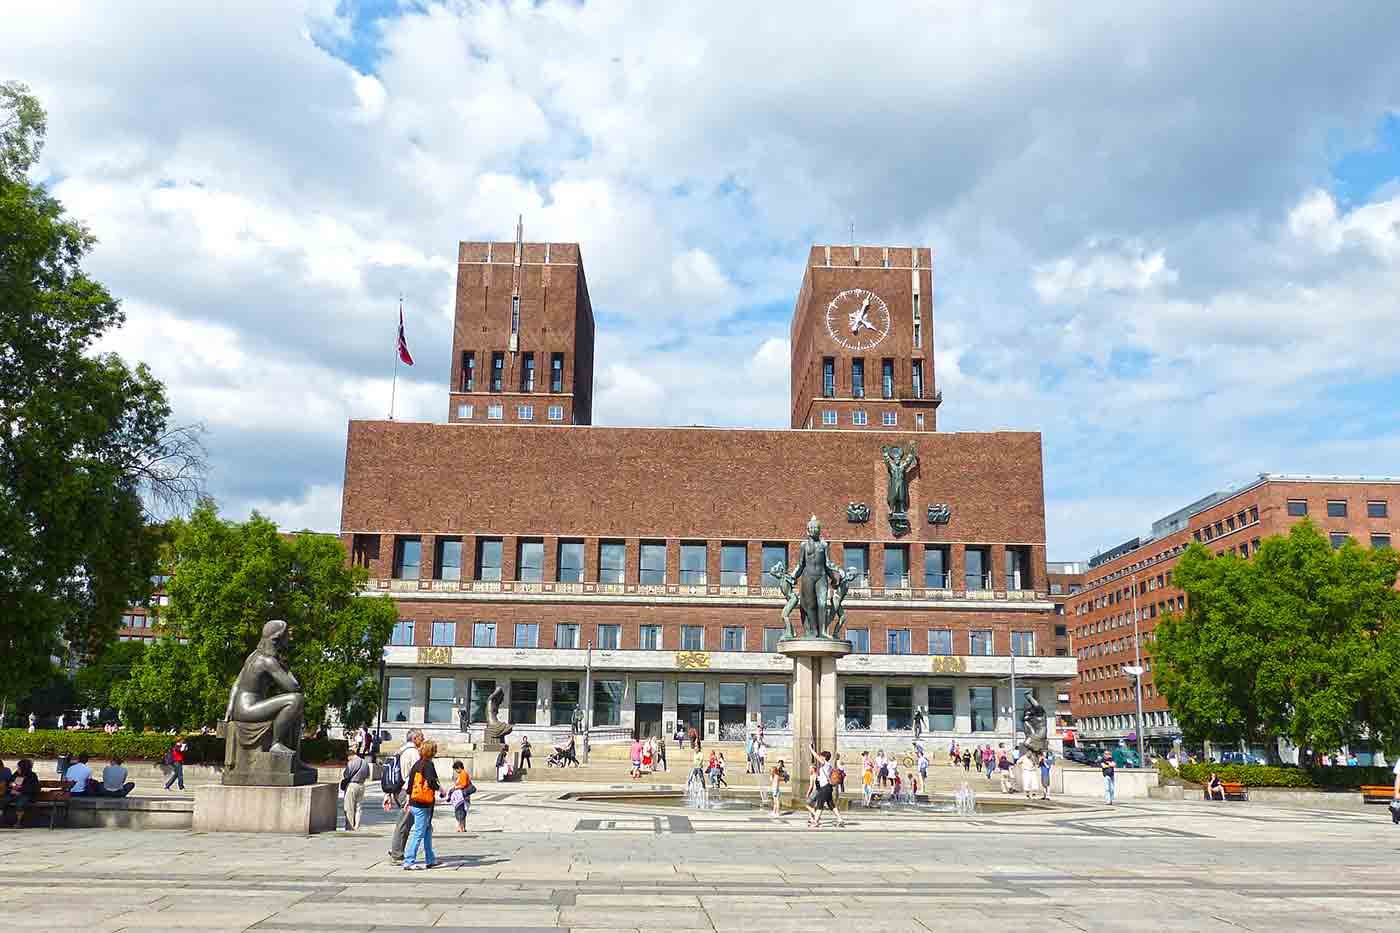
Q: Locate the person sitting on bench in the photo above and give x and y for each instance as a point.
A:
(77, 776)
(1214, 789)
(114, 782)
(24, 790)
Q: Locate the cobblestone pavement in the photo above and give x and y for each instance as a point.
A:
(533, 861)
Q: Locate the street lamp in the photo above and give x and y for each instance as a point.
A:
(1136, 672)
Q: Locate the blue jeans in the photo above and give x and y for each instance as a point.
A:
(177, 773)
(422, 832)
(1108, 789)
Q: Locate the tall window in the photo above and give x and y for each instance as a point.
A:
(692, 638)
(468, 371)
(1018, 568)
(448, 565)
(858, 378)
(609, 637)
(899, 707)
(498, 371)
(650, 636)
(484, 635)
(400, 700)
(612, 558)
(857, 698)
(773, 705)
(979, 642)
(444, 633)
(563, 701)
(918, 373)
(897, 641)
(488, 559)
(515, 314)
(570, 568)
(556, 372)
(524, 698)
(940, 641)
(403, 633)
(653, 563)
(607, 702)
(527, 373)
(983, 702)
(936, 568)
(859, 639)
(732, 638)
(887, 378)
(692, 564)
(940, 709)
(529, 565)
(771, 637)
(1023, 644)
(441, 692)
(858, 556)
(896, 567)
(733, 569)
(773, 554)
(828, 377)
(918, 325)
(527, 634)
(977, 569)
(408, 555)
(566, 635)
(481, 691)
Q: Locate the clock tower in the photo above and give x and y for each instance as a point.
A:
(862, 340)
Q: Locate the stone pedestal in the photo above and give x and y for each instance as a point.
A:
(483, 765)
(232, 808)
(815, 704)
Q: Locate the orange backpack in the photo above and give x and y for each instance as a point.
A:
(421, 792)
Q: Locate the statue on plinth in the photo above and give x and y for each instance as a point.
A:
(262, 727)
(814, 574)
(496, 728)
(844, 579)
(787, 585)
(1033, 719)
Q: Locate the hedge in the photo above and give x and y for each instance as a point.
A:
(1270, 776)
(139, 746)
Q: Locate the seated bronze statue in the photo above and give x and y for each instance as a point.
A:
(262, 728)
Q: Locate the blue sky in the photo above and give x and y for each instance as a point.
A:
(1167, 236)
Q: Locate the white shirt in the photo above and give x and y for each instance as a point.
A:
(408, 757)
(824, 774)
(78, 773)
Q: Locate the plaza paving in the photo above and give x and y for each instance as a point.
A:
(533, 861)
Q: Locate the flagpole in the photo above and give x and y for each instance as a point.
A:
(393, 392)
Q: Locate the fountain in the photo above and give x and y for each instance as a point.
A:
(965, 801)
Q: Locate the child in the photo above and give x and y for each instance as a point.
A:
(867, 780)
(459, 794)
(775, 787)
(896, 787)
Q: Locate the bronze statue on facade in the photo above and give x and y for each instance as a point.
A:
(262, 727)
(898, 464)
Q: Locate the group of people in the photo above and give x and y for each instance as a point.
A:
(18, 788)
(756, 750)
(880, 776)
(414, 788)
(648, 755)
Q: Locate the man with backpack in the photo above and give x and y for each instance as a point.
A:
(175, 758)
(395, 790)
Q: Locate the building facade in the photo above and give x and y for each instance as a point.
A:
(623, 571)
(1128, 587)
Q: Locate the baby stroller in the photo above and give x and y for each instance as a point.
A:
(563, 756)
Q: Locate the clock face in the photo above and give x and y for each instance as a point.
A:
(857, 319)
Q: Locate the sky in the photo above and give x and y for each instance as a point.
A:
(1166, 235)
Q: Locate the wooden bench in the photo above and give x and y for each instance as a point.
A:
(1377, 793)
(1233, 790)
(53, 796)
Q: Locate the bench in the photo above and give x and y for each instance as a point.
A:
(1233, 790)
(1377, 793)
(53, 796)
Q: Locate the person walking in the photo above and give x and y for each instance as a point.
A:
(176, 759)
(922, 763)
(697, 768)
(748, 753)
(423, 789)
(407, 758)
(967, 760)
(825, 797)
(1109, 790)
(353, 783)
(775, 788)
(918, 723)
(525, 753)
(1045, 776)
(460, 795)
(660, 757)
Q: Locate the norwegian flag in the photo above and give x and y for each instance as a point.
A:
(403, 344)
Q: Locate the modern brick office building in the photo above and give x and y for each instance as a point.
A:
(1136, 578)
(517, 534)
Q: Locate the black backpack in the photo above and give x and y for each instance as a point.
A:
(391, 781)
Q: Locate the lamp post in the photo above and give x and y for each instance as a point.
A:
(1136, 672)
(587, 698)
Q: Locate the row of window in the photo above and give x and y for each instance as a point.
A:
(693, 564)
(1118, 695)
(1150, 611)
(1230, 523)
(692, 638)
(887, 380)
(1161, 719)
(497, 412)
(1337, 508)
(888, 419)
(136, 620)
(498, 369)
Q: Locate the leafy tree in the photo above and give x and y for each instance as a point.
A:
(95, 680)
(84, 439)
(229, 579)
(1301, 641)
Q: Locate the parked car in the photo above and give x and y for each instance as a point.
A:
(1241, 758)
(1077, 754)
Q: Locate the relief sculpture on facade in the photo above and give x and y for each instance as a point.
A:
(899, 462)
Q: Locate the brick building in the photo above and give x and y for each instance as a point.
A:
(1135, 578)
(513, 543)
(1064, 580)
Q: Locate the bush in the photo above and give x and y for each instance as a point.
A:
(1269, 776)
(140, 746)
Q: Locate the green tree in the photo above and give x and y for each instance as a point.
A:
(1301, 641)
(95, 680)
(84, 439)
(229, 579)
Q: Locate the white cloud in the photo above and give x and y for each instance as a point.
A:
(1122, 268)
